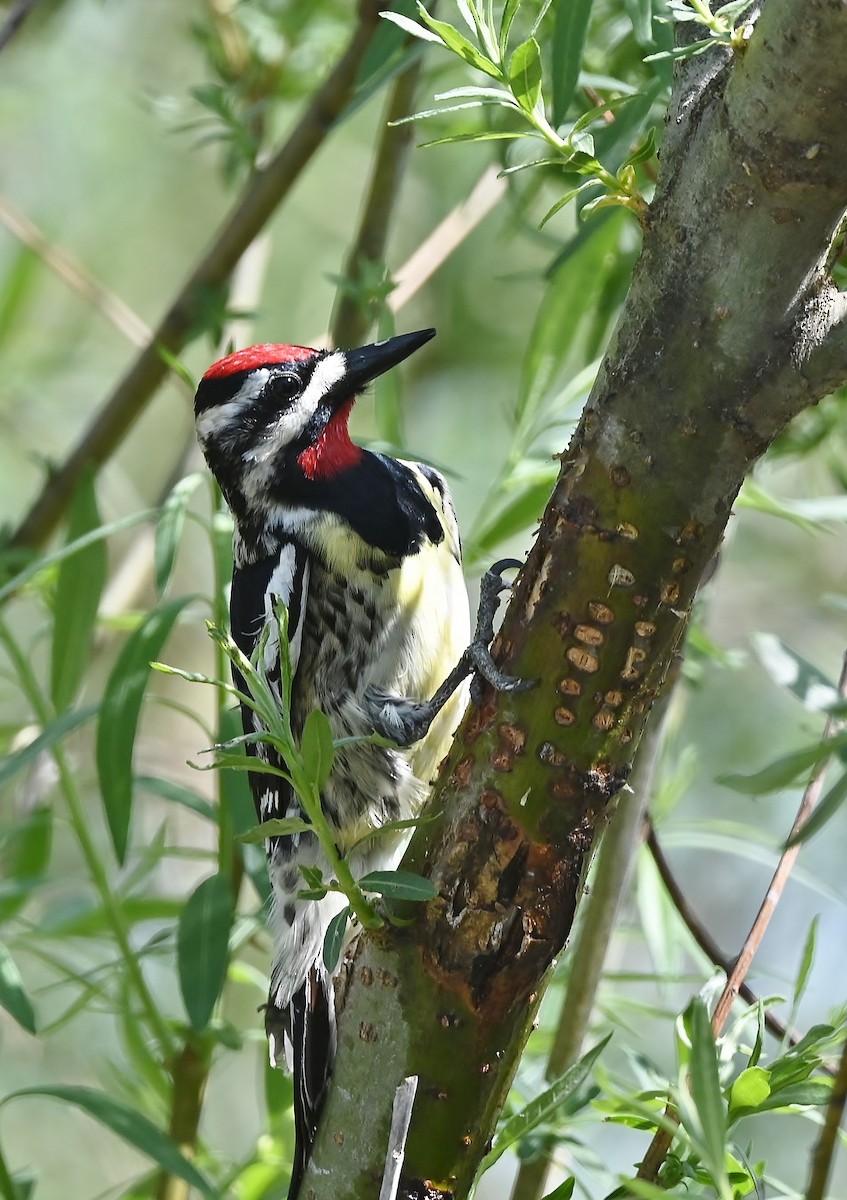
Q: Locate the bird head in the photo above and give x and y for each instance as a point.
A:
(272, 411)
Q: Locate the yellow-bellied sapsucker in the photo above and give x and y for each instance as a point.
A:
(363, 550)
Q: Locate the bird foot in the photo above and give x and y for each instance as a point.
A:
(404, 721)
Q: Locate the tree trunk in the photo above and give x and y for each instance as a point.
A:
(731, 327)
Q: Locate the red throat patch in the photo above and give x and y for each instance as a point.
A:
(333, 452)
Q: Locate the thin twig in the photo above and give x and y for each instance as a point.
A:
(446, 236)
(811, 797)
(658, 1148)
(267, 187)
(18, 13)
(825, 1148)
(352, 318)
(704, 939)
(75, 275)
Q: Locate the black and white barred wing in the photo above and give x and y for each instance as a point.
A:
(257, 591)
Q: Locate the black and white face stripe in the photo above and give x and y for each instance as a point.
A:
(259, 412)
(298, 418)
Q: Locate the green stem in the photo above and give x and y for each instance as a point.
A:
(367, 915)
(7, 1184)
(190, 1072)
(96, 869)
(353, 313)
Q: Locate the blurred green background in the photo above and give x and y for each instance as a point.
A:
(94, 103)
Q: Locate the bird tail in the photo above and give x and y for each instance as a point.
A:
(305, 1028)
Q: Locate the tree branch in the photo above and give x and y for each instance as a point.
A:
(825, 1148)
(354, 313)
(735, 244)
(446, 237)
(15, 18)
(704, 939)
(267, 187)
(661, 1143)
(75, 275)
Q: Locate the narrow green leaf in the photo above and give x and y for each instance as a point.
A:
(749, 1090)
(76, 547)
(525, 74)
(316, 748)
(566, 199)
(679, 52)
(235, 797)
(24, 857)
(169, 528)
(519, 510)
(174, 363)
(823, 813)
(789, 670)
(20, 1185)
(275, 827)
(88, 919)
(640, 12)
(394, 827)
(564, 1191)
(13, 996)
(459, 44)
(203, 947)
(759, 1044)
(482, 135)
(119, 713)
(706, 1088)
(569, 30)
(21, 274)
(334, 939)
(468, 16)
(644, 152)
(399, 885)
(806, 962)
(55, 731)
(542, 1107)
(177, 793)
(575, 285)
(411, 27)
(79, 584)
(510, 8)
(786, 770)
(240, 762)
(811, 1092)
(129, 1124)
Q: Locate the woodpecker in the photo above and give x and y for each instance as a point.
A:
(363, 550)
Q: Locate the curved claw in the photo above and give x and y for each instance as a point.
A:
(504, 564)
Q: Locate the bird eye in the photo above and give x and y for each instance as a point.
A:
(284, 386)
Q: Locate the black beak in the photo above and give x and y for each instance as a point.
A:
(368, 362)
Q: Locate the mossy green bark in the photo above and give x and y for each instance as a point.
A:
(731, 327)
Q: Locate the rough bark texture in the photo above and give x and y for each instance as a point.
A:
(731, 327)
